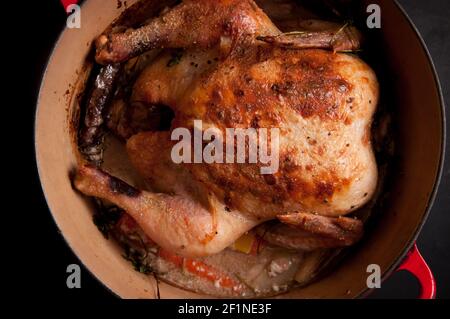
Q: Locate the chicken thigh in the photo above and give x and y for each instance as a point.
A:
(230, 67)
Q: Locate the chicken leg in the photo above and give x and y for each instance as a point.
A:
(176, 223)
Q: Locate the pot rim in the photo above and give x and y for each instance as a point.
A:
(81, 3)
(387, 273)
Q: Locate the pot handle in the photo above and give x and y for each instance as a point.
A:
(67, 3)
(417, 266)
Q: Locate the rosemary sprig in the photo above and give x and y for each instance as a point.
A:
(346, 24)
(350, 51)
(292, 33)
(138, 260)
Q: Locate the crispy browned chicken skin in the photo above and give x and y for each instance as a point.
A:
(237, 70)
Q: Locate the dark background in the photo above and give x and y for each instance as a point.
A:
(52, 255)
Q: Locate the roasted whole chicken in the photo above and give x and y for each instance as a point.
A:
(225, 63)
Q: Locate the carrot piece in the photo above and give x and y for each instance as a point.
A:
(127, 223)
(200, 269)
(172, 258)
(207, 272)
(195, 267)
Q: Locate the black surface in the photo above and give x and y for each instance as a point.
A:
(51, 252)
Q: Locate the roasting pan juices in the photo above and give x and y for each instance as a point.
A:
(264, 261)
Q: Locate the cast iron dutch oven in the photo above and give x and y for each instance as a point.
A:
(389, 242)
